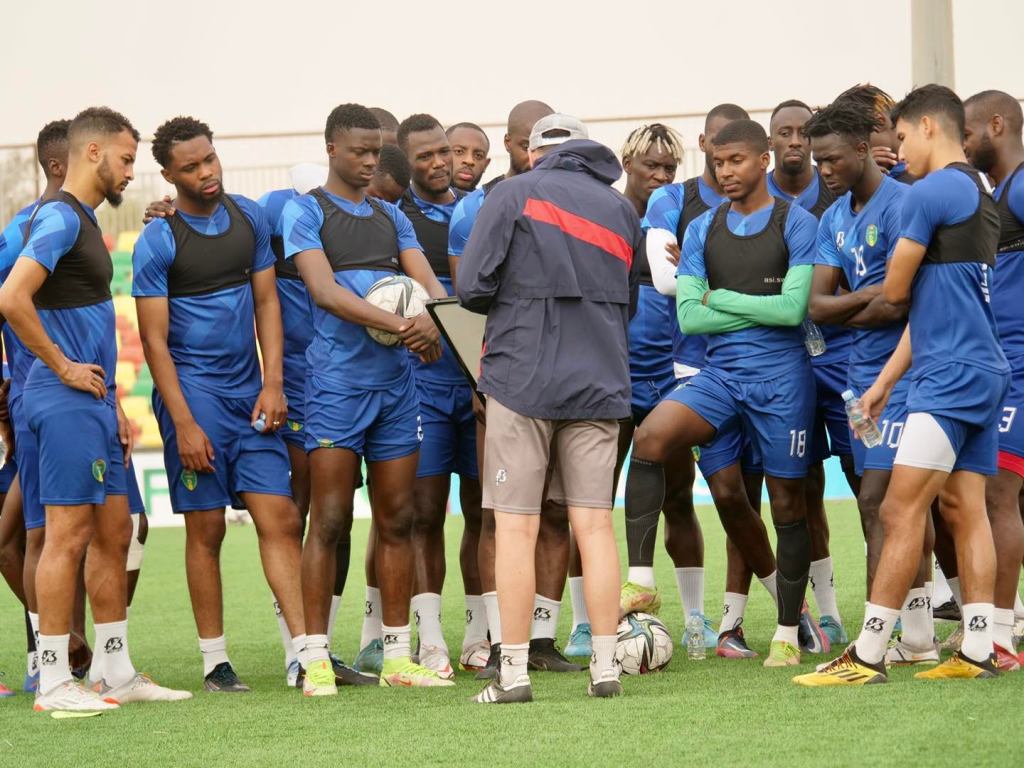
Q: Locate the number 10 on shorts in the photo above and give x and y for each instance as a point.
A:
(797, 443)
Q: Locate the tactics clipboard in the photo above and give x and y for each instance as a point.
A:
(464, 332)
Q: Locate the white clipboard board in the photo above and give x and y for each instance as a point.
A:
(464, 332)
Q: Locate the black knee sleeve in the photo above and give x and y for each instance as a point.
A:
(793, 555)
(645, 495)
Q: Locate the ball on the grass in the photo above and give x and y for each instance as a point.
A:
(398, 294)
(644, 644)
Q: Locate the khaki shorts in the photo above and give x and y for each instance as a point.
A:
(518, 450)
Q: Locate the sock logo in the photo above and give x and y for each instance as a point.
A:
(390, 639)
(506, 660)
(917, 602)
(811, 579)
(725, 610)
(541, 614)
(48, 658)
(978, 623)
(114, 644)
(469, 615)
(277, 608)
(874, 624)
(416, 617)
(369, 609)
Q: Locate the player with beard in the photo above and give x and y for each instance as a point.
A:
(57, 300)
(552, 560)
(992, 143)
(204, 288)
(470, 149)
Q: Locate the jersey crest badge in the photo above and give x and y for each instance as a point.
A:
(872, 235)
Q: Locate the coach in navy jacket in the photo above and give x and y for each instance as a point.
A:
(548, 262)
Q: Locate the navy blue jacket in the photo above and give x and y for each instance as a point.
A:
(548, 262)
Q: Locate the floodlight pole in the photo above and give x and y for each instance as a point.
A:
(931, 37)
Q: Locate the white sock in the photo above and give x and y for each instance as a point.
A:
(215, 651)
(940, 590)
(954, 587)
(788, 634)
(333, 615)
(493, 617)
(396, 642)
(112, 642)
(1018, 609)
(978, 621)
(603, 657)
(286, 635)
(426, 609)
(875, 632)
(641, 574)
(916, 618)
(823, 587)
(691, 589)
(54, 668)
(317, 649)
(579, 605)
(371, 618)
(768, 582)
(733, 611)
(476, 621)
(1002, 632)
(513, 662)
(299, 650)
(545, 618)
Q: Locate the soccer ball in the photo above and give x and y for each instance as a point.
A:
(399, 294)
(644, 644)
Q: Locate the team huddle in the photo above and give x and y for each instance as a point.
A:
(749, 322)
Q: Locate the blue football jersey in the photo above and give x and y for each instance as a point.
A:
(19, 357)
(1008, 280)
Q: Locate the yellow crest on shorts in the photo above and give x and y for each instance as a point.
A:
(325, 443)
(189, 479)
(696, 452)
(294, 426)
(99, 468)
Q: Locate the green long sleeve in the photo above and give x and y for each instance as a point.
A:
(695, 319)
(789, 308)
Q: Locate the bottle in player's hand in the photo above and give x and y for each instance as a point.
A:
(261, 422)
(813, 339)
(695, 649)
(863, 425)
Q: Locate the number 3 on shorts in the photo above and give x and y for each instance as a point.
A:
(797, 443)
(1009, 413)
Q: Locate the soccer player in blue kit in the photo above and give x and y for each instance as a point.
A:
(57, 300)
(470, 150)
(959, 377)
(993, 145)
(744, 277)
(204, 288)
(360, 395)
(856, 238)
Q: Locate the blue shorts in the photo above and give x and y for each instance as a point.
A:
(378, 424)
(647, 393)
(449, 430)
(136, 505)
(777, 414)
(891, 425)
(725, 449)
(245, 461)
(28, 467)
(294, 431)
(1011, 419)
(831, 430)
(959, 391)
(80, 458)
(939, 442)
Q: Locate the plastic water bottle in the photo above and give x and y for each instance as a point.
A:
(813, 339)
(695, 650)
(863, 425)
(261, 422)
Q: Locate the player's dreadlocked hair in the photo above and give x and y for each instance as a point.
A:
(934, 100)
(417, 123)
(843, 118)
(394, 163)
(872, 99)
(657, 135)
(345, 117)
(175, 130)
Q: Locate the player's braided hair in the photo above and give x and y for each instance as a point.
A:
(175, 130)
(657, 135)
(872, 99)
(844, 118)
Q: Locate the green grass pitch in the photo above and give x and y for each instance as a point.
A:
(714, 712)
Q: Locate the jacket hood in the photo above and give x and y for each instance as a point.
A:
(584, 155)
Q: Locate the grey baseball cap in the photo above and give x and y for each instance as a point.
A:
(555, 129)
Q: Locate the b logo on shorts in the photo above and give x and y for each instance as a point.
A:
(189, 479)
(99, 468)
(501, 477)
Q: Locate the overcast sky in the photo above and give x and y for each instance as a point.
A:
(281, 66)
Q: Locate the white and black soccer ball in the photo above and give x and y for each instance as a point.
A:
(644, 644)
(398, 294)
